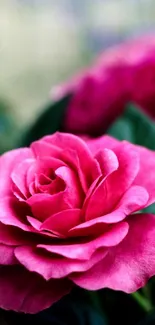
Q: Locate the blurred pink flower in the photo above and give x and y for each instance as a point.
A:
(67, 215)
(122, 74)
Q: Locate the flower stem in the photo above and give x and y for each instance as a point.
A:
(96, 302)
(94, 298)
(142, 301)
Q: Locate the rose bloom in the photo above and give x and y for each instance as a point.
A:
(99, 94)
(70, 213)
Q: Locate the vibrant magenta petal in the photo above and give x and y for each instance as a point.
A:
(45, 163)
(13, 213)
(73, 160)
(93, 205)
(36, 224)
(108, 164)
(50, 267)
(44, 184)
(32, 188)
(43, 149)
(76, 154)
(7, 163)
(62, 222)
(44, 205)
(84, 250)
(100, 143)
(128, 169)
(146, 175)
(73, 189)
(68, 140)
(89, 194)
(19, 174)
(110, 190)
(27, 292)
(129, 265)
(134, 199)
(7, 256)
(107, 160)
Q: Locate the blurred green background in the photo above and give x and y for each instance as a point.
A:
(43, 42)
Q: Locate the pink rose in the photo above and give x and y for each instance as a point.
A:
(122, 74)
(68, 214)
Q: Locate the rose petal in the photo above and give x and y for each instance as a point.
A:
(74, 152)
(73, 189)
(134, 199)
(111, 189)
(7, 163)
(73, 160)
(108, 161)
(146, 175)
(45, 205)
(108, 164)
(27, 292)
(89, 194)
(42, 149)
(84, 250)
(13, 236)
(13, 212)
(129, 265)
(18, 176)
(50, 267)
(62, 222)
(97, 144)
(122, 179)
(36, 224)
(7, 256)
(52, 187)
(93, 205)
(45, 163)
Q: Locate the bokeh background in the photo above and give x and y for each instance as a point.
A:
(43, 42)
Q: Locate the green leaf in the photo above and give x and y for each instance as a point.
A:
(134, 126)
(49, 121)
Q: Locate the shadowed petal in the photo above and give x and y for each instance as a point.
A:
(13, 213)
(14, 236)
(51, 267)
(27, 292)
(84, 250)
(7, 256)
(129, 265)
